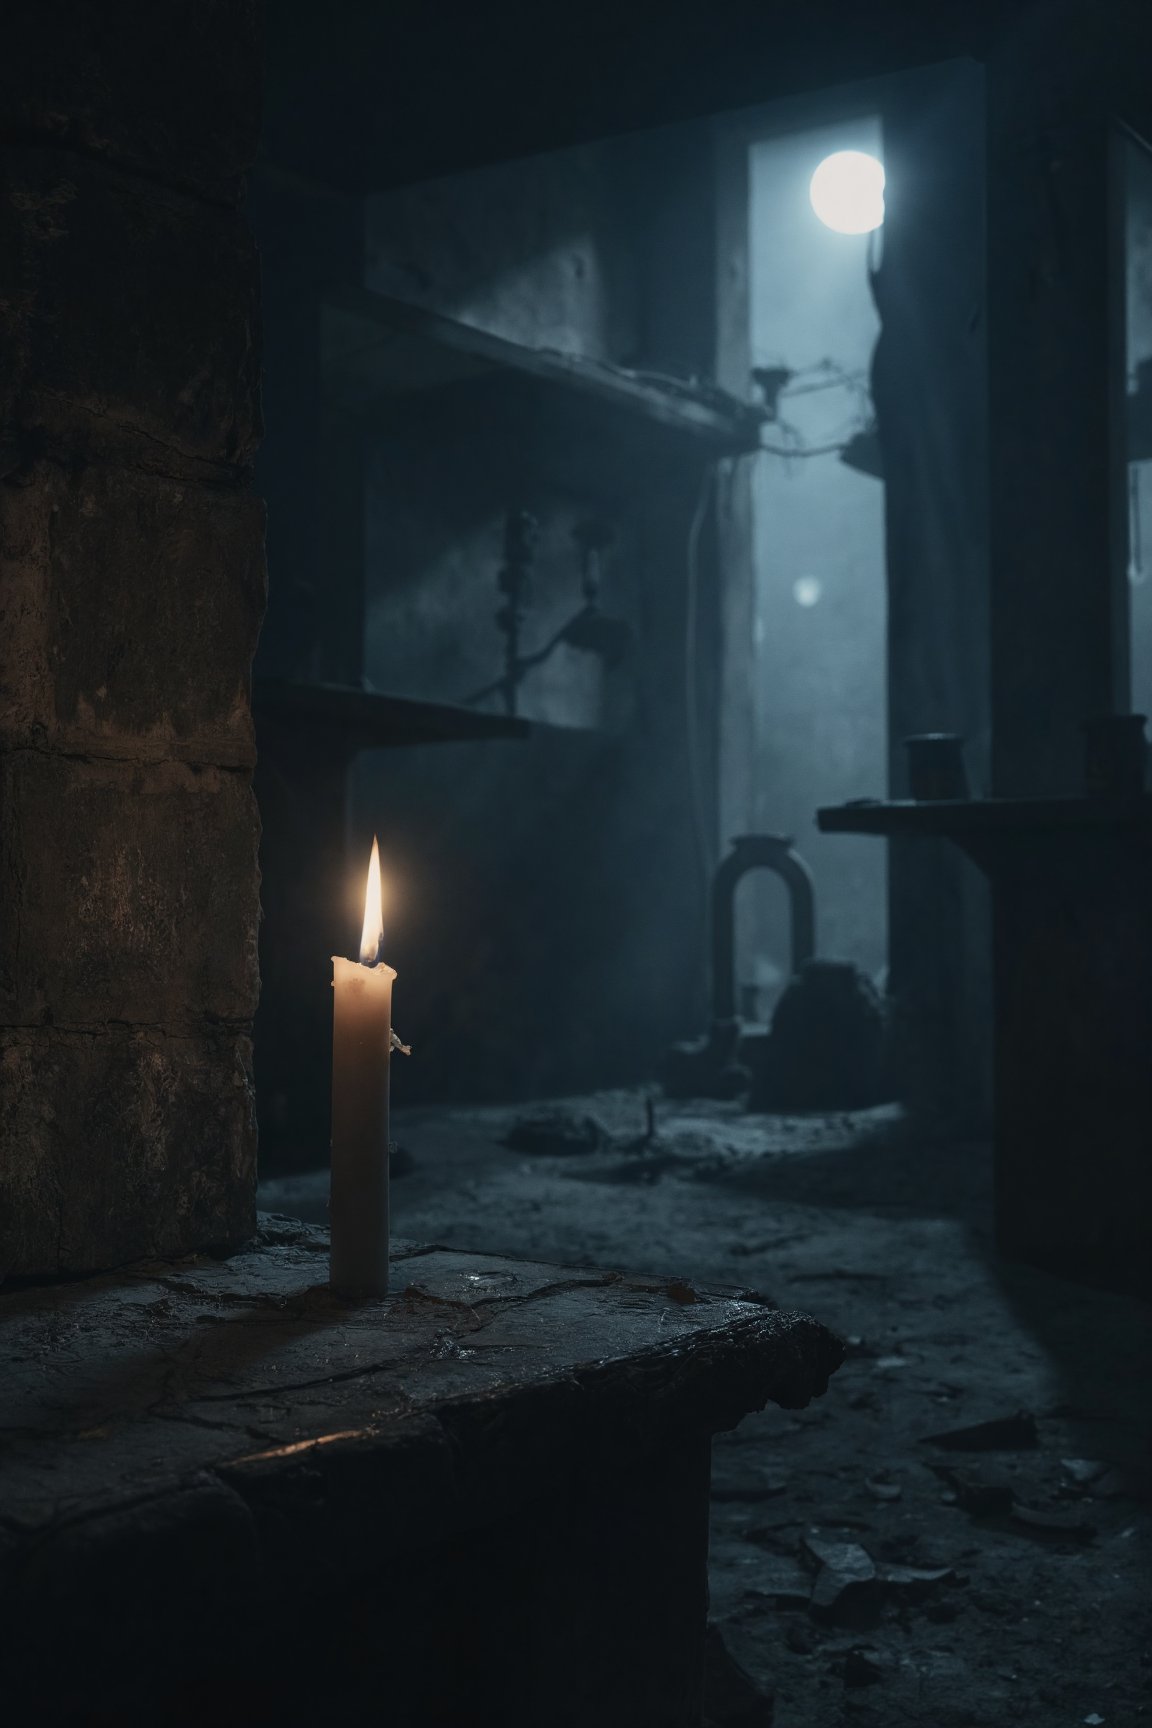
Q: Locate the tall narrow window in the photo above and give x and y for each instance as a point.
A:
(820, 625)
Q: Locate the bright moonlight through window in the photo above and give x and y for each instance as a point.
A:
(847, 192)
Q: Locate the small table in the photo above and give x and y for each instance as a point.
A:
(227, 1497)
(1071, 882)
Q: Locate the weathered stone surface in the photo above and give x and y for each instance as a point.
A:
(307, 1406)
(479, 1498)
(127, 893)
(121, 1144)
(129, 610)
(172, 89)
(131, 587)
(128, 319)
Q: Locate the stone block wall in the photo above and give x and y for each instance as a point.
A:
(131, 593)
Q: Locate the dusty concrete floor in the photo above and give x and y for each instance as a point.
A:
(1044, 1615)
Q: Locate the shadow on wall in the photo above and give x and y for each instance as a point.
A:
(532, 955)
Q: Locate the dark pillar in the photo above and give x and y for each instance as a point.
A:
(1056, 381)
(929, 389)
(131, 591)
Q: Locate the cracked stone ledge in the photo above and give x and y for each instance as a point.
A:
(246, 1377)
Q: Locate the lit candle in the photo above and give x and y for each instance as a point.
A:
(361, 1052)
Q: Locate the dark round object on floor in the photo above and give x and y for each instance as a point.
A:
(556, 1133)
(825, 1047)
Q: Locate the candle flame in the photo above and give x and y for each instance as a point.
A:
(373, 932)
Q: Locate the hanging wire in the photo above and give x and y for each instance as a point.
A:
(822, 375)
(829, 375)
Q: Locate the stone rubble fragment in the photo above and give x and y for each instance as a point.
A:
(1016, 1433)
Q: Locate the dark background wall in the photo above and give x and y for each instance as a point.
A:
(350, 103)
(130, 416)
(361, 131)
(541, 252)
(546, 897)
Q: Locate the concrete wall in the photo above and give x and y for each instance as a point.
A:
(131, 590)
(536, 250)
(549, 897)
(539, 252)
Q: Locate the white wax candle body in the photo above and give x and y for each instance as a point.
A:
(361, 1051)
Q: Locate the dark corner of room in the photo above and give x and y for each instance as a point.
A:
(575, 864)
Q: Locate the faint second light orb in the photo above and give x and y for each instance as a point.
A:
(806, 590)
(847, 192)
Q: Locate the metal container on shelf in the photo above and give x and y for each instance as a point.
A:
(936, 766)
(1115, 756)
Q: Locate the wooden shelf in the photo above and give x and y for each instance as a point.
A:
(378, 352)
(973, 817)
(356, 719)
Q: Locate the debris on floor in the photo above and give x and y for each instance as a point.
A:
(864, 1667)
(982, 1493)
(1003, 1434)
(966, 1478)
(916, 1581)
(884, 1486)
(1084, 1471)
(847, 1590)
(556, 1134)
(1053, 1523)
(750, 1479)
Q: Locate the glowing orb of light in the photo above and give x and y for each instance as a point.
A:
(806, 590)
(847, 192)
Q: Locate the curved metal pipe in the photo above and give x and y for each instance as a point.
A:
(753, 852)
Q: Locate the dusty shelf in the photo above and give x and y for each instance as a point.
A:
(958, 819)
(369, 719)
(379, 353)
